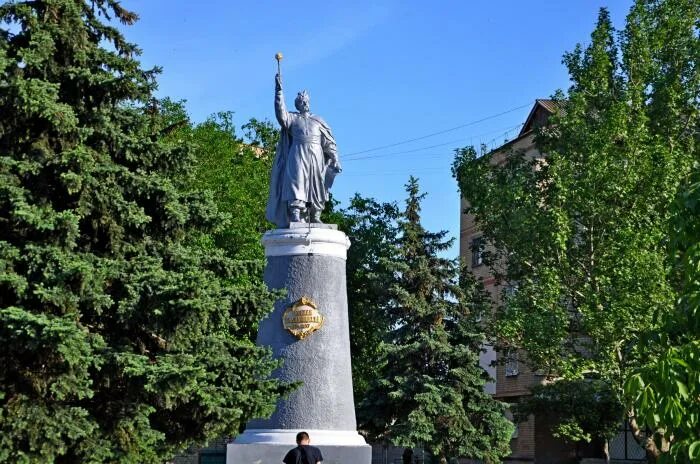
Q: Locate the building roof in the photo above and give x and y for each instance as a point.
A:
(550, 105)
(539, 114)
(258, 152)
(541, 110)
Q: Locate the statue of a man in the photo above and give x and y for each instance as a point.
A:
(306, 163)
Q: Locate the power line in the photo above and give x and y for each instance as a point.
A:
(402, 152)
(422, 155)
(502, 131)
(392, 173)
(403, 142)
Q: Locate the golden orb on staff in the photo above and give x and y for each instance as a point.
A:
(278, 57)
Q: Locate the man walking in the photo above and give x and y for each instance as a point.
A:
(303, 453)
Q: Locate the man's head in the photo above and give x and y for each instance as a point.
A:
(302, 101)
(302, 438)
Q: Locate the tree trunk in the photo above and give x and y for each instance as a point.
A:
(606, 450)
(646, 441)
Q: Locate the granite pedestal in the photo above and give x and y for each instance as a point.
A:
(309, 261)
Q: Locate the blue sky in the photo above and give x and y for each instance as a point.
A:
(378, 72)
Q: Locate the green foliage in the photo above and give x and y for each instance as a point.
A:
(666, 391)
(589, 408)
(235, 169)
(430, 389)
(125, 339)
(584, 232)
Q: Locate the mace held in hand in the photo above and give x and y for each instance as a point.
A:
(278, 57)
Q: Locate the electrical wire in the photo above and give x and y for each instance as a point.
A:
(403, 142)
(501, 132)
(349, 157)
(394, 173)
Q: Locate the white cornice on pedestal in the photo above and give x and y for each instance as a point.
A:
(306, 241)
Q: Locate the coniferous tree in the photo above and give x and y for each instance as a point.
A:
(124, 338)
(431, 388)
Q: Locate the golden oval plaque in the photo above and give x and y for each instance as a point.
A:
(302, 318)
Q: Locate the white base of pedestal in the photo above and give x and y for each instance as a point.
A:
(263, 446)
(289, 436)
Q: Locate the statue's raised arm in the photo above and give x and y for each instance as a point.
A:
(306, 163)
(280, 107)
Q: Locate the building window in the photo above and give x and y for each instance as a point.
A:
(510, 290)
(509, 416)
(209, 456)
(511, 364)
(477, 248)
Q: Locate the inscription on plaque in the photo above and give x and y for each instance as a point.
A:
(302, 318)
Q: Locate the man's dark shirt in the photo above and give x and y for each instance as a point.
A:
(303, 454)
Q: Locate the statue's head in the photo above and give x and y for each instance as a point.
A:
(302, 101)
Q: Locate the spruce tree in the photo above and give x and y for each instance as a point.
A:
(431, 388)
(124, 338)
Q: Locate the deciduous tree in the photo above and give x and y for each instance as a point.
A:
(666, 391)
(584, 232)
(234, 167)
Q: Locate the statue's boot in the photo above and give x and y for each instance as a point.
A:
(294, 215)
(316, 216)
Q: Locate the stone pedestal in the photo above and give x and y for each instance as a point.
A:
(308, 262)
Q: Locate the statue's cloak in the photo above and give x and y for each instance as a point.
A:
(276, 211)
